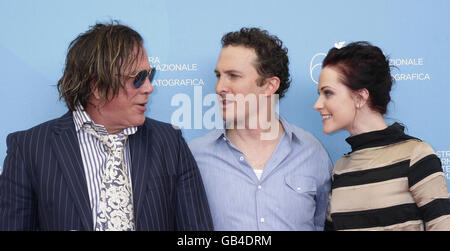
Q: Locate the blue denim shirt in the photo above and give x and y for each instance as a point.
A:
(291, 195)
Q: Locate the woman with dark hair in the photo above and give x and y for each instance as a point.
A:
(390, 180)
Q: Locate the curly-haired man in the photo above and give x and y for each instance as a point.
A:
(260, 172)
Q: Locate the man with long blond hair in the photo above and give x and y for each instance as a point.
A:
(101, 165)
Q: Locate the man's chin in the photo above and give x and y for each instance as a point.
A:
(139, 121)
(234, 123)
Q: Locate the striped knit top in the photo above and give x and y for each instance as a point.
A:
(389, 181)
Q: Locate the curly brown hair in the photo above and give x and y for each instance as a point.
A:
(97, 60)
(272, 56)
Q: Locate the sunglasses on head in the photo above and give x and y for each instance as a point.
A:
(139, 78)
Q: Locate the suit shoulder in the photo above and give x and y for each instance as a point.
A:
(162, 132)
(35, 130)
(151, 124)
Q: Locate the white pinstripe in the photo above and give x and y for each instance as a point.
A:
(44, 185)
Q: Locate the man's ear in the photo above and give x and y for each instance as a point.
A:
(94, 90)
(271, 85)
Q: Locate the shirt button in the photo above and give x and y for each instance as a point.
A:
(299, 188)
(224, 139)
(259, 187)
(262, 220)
(242, 158)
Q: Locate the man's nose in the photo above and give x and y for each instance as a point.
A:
(147, 86)
(221, 87)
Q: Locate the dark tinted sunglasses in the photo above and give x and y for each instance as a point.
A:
(139, 78)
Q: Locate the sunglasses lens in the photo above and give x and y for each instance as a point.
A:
(152, 74)
(140, 78)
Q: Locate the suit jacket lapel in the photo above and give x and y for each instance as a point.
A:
(67, 151)
(140, 165)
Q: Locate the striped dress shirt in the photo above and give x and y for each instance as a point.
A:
(94, 154)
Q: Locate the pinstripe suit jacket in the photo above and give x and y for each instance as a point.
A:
(43, 185)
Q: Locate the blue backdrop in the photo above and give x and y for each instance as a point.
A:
(183, 42)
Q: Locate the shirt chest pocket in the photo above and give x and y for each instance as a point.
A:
(301, 185)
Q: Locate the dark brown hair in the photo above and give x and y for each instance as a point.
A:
(97, 60)
(272, 56)
(363, 65)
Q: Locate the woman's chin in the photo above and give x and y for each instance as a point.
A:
(328, 130)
